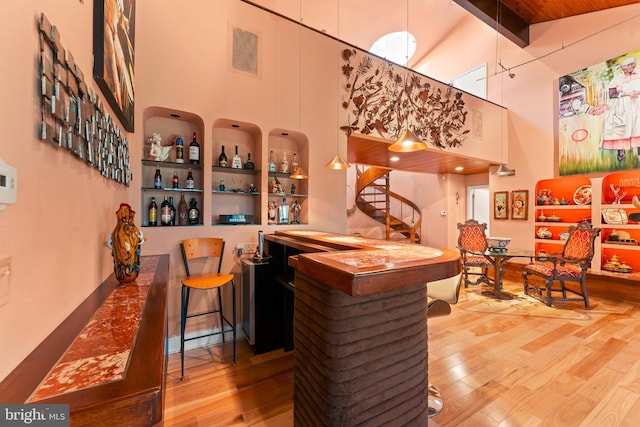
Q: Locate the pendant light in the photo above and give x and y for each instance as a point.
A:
(338, 163)
(503, 170)
(407, 142)
(299, 173)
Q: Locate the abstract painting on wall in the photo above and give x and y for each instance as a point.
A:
(599, 117)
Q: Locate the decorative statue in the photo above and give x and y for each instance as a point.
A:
(159, 152)
(296, 212)
(124, 242)
(272, 212)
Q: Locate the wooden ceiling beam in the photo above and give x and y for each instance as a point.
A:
(510, 25)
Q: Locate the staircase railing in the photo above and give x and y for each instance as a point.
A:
(396, 212)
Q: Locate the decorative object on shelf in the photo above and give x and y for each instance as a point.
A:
(296, 212)
(157, 178)
(615, 216)
(497, 244)
(582, 196)
(221, 187)
(284, 165)
(616, 194)
(520, 204)
(615, 265)
(544, 233)
(542, 217)
(272, 162)
(554, 218)
(621, 238)
(252, 188)
(183, 211)
(276, 186)
(73, 117)
(194, 151)
(501, 205)
(222, 159)
(236, 162)
(249, 163)
(544, 197)
(179, 150)
(194, 212)
(563, 201)
(271, 212)
(157, 151)
(283, 212)
(564, 235)
(542, 255)
(293, 188)
(124, 242)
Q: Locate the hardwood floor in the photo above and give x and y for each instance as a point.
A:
(492, 369)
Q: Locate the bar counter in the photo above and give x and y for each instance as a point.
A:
(360, 327)
(107, 359)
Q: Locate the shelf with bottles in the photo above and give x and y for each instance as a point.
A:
(170, 176)
(287, 210)
(164, 210)
(236, 179)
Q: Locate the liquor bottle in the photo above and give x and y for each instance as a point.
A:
(236, 163)
(176, 180)
(249, 163)
(173, 211)
(283, 212)
(157, 179)
(183, 211)
(194, 212)
(165, 212)
(272, 162)
(222, 159)
(194, 151)
(294, 163)
(190, 184)
(153, 212)
(179, 150)
(284, 166)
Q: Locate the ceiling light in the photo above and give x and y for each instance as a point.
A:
(407, 143)
(394, 158)
(337, 163)
(459, 168)
(299, 173)
(503, 170)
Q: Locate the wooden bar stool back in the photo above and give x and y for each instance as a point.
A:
(213, 248)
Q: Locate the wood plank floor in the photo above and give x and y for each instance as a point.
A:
(492, 370)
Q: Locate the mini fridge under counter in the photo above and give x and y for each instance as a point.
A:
(262, 307)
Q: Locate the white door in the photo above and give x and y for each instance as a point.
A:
(479, 206)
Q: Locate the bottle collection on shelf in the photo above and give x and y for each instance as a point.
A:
(169, 214)
(175, 181)
(280, 214)
(285, 167)
(236, 161)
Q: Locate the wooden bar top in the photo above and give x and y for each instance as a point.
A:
(107, 359)
(360, 266)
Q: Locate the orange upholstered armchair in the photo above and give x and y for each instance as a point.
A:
(571, 264)
(472, 240)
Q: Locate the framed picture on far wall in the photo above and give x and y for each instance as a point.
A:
(501, 205)
(113, 55)
(519, 204)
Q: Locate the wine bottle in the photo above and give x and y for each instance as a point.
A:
(157, 179)
(173, 211)
(179, 150)
(183, 211)
(284, 166)
(236, 163)
(153, 212)
(222, 159)
(194, 212)
(272, 162)
(176, 180)
(194, 151)
(165, 212)
(249, 163)
(190, 184)
(294, 163)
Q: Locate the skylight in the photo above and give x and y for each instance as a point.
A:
(394, 46)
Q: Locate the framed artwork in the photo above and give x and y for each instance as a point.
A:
(501, 205)
(519, 204)
(113, 53)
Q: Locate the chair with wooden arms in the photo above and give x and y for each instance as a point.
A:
(209, 250)
(472, 240)
(440, 295)
(571, 264)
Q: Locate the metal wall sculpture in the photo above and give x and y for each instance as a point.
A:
(73, 116)
(384, 98)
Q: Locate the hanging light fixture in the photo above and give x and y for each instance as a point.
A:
(503, 170)
(407, 142)
(338, 162)
(298, 172)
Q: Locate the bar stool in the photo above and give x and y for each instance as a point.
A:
(440, 295)
(213, 248)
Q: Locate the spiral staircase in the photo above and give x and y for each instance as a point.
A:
(401, 217)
